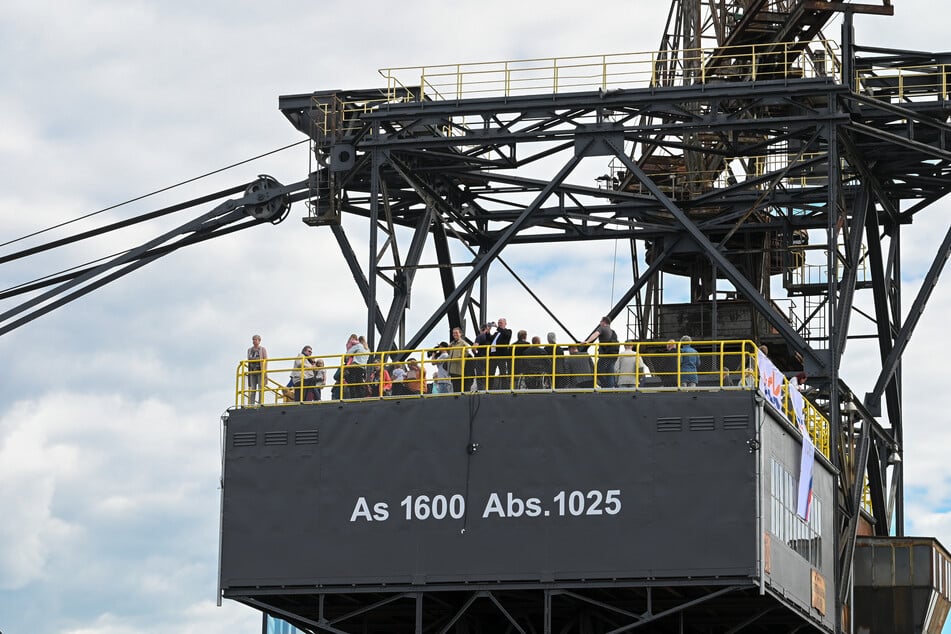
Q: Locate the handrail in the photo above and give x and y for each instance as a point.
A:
(636, 366)
(902, 84)
(558, 75)
(554, 75)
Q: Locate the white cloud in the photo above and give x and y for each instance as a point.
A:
(109, 446)
(90, 483)
(196, 618)
(30, 464)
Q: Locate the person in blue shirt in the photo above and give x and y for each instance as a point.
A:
(689, 363)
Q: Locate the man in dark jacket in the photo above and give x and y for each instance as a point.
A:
(536, 365)
(499, 355)
(480, 349)
(520, 352)
(555, 363)
(579, 370)
(606, 352)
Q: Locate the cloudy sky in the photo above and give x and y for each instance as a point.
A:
(110, 407)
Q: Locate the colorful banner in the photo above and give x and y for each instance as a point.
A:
(772, 384)
(770, 381)
(798, 405)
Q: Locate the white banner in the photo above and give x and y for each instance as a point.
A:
(806, 461)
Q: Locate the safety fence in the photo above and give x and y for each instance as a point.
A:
(521, 367)
(904, 84)
(557, 75)
(650, 69)
(561, 75)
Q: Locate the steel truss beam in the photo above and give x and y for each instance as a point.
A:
(659, 608)
(265, 200)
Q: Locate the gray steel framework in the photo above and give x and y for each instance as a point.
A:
(691, 606)
(412, 169)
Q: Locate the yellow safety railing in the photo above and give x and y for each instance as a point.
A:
(555, 75)
(573, 367)
(904, 83)
(339, 118)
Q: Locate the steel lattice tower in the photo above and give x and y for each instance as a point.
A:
(746, 153)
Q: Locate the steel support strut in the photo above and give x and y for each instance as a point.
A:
(735, 276)
(262, 200)
(481, 262)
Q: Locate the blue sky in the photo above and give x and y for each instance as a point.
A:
(109, 408)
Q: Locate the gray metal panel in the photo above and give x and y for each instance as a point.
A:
(896, 582)
(687, 498)
(790, 573)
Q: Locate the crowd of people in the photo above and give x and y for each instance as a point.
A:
(492, 361)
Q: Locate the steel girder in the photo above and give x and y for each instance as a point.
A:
(264, 200)
(603, 609)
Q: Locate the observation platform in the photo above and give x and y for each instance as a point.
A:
(580, 509)
(638, 367)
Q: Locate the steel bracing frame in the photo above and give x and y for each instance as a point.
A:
(611, 608)
(712, 179)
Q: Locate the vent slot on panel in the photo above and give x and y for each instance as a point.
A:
(307, 437)
(244, 439)
(702, 423)
(275, 438)
(736, 421)
(670, 423)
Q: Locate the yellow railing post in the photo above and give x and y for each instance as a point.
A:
(679, 381)
(596, 357)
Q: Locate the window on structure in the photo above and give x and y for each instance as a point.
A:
(802, 536)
